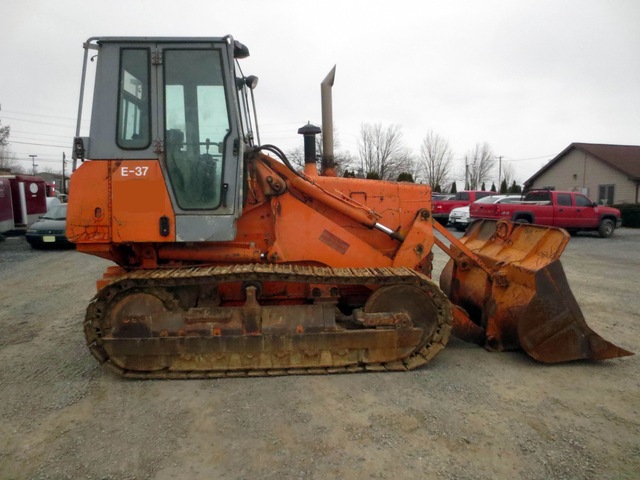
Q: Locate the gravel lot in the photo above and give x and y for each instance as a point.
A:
(470, 414)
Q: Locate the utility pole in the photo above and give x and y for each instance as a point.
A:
(33, 163)
(466, 174)
(499, 172)
(64, 181)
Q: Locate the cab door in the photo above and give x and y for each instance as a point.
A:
(564, 211)
(202, 152)
(586, 213)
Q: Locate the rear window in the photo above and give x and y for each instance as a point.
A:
(537, 197)
(462, 196)
(59, 212)
(482, 195)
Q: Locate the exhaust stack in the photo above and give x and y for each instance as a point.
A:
(328, 162)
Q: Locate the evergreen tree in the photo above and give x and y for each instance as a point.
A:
(503, 187)
(405, 177)
(437, 188)
(482, 187)
(453, 188)
(515, 188)
(493, 187)
(373, 175)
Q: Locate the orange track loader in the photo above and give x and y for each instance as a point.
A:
(230, 262)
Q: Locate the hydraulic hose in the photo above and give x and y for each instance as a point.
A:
(280, 154)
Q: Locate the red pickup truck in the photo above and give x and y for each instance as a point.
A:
(569, 210)
(441, 209)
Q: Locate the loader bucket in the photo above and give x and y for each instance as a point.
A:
(521, 299)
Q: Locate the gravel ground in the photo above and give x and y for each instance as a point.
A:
(470, 414)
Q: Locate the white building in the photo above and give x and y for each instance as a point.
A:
(608, 174)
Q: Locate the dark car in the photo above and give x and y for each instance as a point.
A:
(49, 231)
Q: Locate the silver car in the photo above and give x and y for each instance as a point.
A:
(459, 217)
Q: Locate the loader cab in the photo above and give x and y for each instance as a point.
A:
(173, 105)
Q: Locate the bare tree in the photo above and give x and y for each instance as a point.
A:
(344, 160)
(4, 135)
(7, 157)
(479, 161)
(382, 153)
(8, 160)
(508, 174)
(296, 157)
(436, 158)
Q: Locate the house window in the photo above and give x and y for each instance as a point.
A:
(605, 194)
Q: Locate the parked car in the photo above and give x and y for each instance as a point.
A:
(569, 210)
(440, 209)
(459, 217)
(52, 202)
(49, 230)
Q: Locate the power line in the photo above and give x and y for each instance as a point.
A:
(40, 159)
(40, 144)
(40, 134)
(35, 121)
(37, 138)
(40, 115)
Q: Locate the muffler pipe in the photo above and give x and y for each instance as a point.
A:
(328, 161)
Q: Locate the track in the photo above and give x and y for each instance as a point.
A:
(159, 324)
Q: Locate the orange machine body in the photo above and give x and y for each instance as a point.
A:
(117, 207)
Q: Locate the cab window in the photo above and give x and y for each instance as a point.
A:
(196, 126)
(133, 130)
(582, 201)
(564, 199)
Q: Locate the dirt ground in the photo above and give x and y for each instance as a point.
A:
(469, 414)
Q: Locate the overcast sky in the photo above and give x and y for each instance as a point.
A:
(528, 77)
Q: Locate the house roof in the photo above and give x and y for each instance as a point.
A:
(625, 158)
